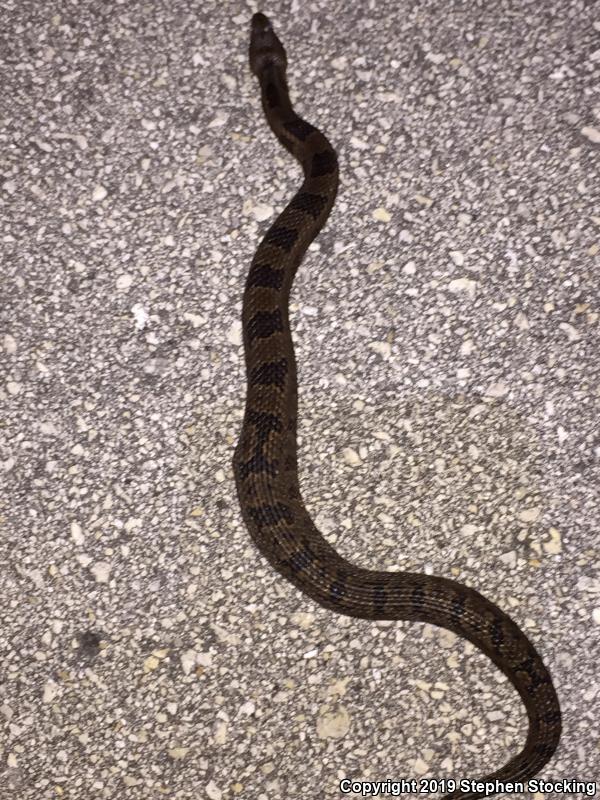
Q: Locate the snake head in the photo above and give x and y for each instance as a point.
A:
(265, 47)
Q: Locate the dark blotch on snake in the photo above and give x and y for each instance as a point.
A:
(312, 204)
(271, 95)
(262, 275)
(258, 465)
(323, 164)
(302, 559)
(271, 514)
(496, 633)
(379, 598)
(264, 423)
(418, 597)
(264, 324)
(285, 238)
(299, 128)
(270, 374)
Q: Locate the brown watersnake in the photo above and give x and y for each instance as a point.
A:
(265, 460)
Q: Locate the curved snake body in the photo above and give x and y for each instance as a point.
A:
(265, 460)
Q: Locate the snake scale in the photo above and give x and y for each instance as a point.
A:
(265, 459)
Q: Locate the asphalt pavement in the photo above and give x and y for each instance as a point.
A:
(446, 326)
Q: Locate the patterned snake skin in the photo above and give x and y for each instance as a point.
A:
(265, 460)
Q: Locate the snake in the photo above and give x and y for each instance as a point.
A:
(265, 459)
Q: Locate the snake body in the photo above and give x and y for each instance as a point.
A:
(265, 460)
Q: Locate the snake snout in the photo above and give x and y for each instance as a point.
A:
(260, 23)
(265, 47)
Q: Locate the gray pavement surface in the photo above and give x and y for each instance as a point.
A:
(446, 324)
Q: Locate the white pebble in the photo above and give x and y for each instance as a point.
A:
(124, 282)
(234, 334)
(45, 146)
(593, 134)
(196, 319)
(561, 434)
(188, 661)
(529, 514)
(304, 619)
(10, 344)
(381, 215)
(220, 732)
(333, 724)
(177, 753)
(77, 533)
(99, 193)
(339, 63)
(435, 58)
(463, 285)
(570, 330)
(521, 321)
(213, 791)
(219, 119)
(358, 143)
(498, 389)
(510, 558)
(554, 546)
(140, 315)
(50, 692)
(469, 529)
(262, 212)
(383, 348)
(423, 200)
(350, 456)
(101, 571)
(421, 767)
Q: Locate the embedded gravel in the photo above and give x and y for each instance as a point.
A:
(446, 323)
